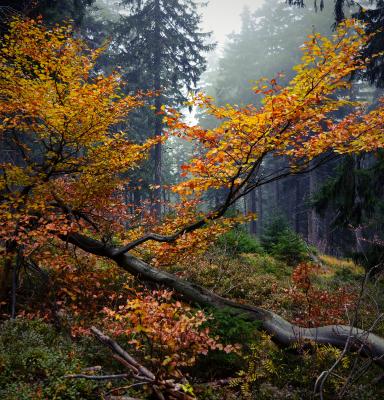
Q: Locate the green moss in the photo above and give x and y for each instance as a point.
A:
(267, 264)
(34, 360)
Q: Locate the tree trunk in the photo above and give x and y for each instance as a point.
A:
(260, 211)
(6, 271)
(313, 218)
(5, 279)
(157, 152)
(252, 206)
(297, 205)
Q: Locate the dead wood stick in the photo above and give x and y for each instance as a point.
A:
(107, 341)
(125, 363)
(97, 377)
(139, 371)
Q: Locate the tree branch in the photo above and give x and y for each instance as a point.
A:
(97, 377)
(140, 372)
(232, 198)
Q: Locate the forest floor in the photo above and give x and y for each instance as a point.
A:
(41, 346)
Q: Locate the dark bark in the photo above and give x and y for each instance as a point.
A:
(5, 279)
(260, 214)
(157, 61)
(6, 272)
(297, 205)
(313, 220)
(253, 209)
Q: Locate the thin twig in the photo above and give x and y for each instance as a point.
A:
(97, 377)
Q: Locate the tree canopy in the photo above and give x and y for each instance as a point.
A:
(61, 184)
(69, 159)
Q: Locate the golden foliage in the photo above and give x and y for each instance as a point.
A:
(59, 117)
(292, 120)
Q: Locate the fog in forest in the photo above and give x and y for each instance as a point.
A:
(191, 199)
(223, 17)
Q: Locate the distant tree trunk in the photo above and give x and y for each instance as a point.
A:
(297, 205)
(245, 200)
(260, 211)
(5, 279)
(157, 153)
(166, 200)
(252, 206)
(136, 198)
(313, 218)
(276, 194)
(127, 196)
(6, 270)
(358, 205)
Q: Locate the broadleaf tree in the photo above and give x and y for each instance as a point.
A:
(265, 47)
(63, 181)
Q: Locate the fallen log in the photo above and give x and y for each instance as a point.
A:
(281, 330)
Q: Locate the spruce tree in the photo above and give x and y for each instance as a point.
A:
(371, 12)
(52, 11)
(161, 48)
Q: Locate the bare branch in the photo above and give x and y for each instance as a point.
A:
(97, 377)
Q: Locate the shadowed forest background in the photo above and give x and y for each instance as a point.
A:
(231, 243)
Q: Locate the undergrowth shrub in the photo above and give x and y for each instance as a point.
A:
(313, 306)
(237, 241)
(267, 264)
(273, 373)
(344, 275)
(168, 334)
(231, 330)
(251, 277)
(34, 360)
(340, 263)
(283, 243)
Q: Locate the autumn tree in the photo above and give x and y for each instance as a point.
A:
(56, 121)
(62, 182)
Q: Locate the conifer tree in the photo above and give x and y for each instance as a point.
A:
(162, 51)
(53, 11)
(371, 12)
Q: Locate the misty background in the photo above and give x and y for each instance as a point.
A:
(181, 47)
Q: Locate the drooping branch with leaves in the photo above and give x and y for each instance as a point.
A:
(64, 160)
